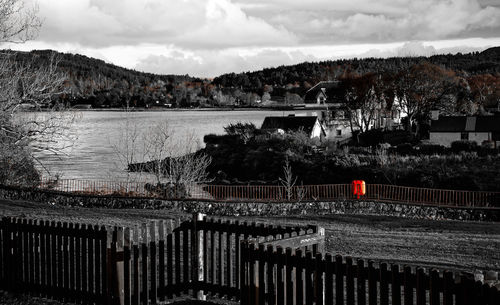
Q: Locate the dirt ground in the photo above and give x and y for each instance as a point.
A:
(453, 245)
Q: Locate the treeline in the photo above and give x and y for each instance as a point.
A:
(299, 78)
(102, 85)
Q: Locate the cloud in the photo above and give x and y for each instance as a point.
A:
(187, 23)
(213, 63)
(365, 21)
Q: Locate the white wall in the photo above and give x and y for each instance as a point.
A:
(479, 137)
(316, 132)
(445, 138)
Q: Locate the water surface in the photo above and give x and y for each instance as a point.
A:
(101, 134)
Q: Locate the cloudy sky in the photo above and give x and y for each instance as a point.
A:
(209, 37)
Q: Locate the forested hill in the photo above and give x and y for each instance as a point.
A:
(100, 84)
(309, 73)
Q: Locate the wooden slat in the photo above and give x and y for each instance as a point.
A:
(136, 292)
(408, 286)
(339, 280)
(126, 268)
(84, 262)
(361, 282)
(228, 251)
(329, 270)
(448, 288)
(309, 270)
(170, 260)
(144, 266)
(299, 274)
(161, 261)
(72, 257)
(261, 295)
(420, 287)
(349, 281)
(384, 284)
(372, 284)
(270, 262)
(396, 285)
(289, 280)
(280, 283)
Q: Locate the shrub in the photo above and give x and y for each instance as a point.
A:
(432, 149)
(468, 146)
(404, 149)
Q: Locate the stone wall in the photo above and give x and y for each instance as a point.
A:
(253, 208)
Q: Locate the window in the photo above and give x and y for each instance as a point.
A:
(464, 136)
(339, 132)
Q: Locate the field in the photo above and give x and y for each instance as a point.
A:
(453, 245)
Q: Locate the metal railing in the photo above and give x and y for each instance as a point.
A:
(275, 193)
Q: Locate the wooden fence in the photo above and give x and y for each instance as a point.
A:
(142, 265)
(274, 275)
(63, 261)
(189, 258)
(267, 193)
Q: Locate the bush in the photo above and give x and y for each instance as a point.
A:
(468, 146)
(404, 149)
(432, 149)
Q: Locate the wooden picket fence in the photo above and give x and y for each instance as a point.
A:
(278, 193)
(63, 261)
(161, 260)
(247, 262)
(275, 275)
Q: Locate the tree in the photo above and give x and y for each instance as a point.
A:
(421, 88)
(27, 84)
(174, 163)
(362, 100)
(484, 89)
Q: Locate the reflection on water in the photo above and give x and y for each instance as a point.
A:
(93, 155)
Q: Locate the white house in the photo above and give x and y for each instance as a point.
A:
(480, 129)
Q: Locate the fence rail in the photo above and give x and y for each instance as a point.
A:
(267, 193)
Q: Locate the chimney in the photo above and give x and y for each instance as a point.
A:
(434, 114)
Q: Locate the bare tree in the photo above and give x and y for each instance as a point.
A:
(176, 165)
(126, 145)
(288, 181)
(25, 84)
(362, 101)
(421, 88)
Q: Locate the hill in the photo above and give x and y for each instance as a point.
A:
(102, 85)
(300, 77)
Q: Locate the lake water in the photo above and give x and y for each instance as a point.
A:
(100, 134)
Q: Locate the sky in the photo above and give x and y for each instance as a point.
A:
(206, 38)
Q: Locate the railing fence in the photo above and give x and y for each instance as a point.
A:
(275, 193)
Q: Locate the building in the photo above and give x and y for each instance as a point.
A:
(480, 129)
(324, 93)
(309, 124)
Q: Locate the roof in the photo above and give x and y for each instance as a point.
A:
(462, 123)
(290, 123)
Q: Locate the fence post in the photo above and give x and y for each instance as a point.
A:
(200, 263)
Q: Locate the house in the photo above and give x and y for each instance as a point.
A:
(480, 129)
(323, 93)
(309, 124)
